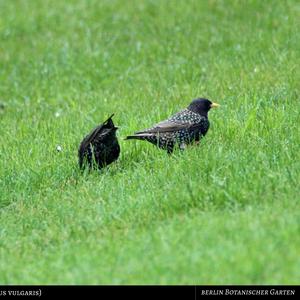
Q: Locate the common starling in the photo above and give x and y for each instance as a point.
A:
(100, 146)
(181, 129)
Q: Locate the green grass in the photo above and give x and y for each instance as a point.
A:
(226, 212)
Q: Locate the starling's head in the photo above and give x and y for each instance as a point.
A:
(201, 106)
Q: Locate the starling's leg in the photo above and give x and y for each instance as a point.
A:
(197, 139)
(182, 146)
(170, 149)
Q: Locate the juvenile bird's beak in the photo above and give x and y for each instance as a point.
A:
(214, 105)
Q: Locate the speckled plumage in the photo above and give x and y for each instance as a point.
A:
(100, 146)
(183, 128)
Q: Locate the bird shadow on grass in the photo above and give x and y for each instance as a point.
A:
(2, 106)
(135, 156)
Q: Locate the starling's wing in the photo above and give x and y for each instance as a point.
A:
(177, 122)
(91, 137)
(166, 126)
(98, 134)
(163, 127)
(84, 147)
(99, 131)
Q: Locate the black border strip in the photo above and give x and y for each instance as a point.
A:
(155, 292)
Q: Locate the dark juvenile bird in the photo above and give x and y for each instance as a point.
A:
(181, 129)
(100, 147)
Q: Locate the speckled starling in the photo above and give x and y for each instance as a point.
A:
(183, 128)
(99, 148)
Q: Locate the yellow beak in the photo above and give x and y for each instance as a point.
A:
(214, 105)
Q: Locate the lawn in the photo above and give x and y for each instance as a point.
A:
(225, 212)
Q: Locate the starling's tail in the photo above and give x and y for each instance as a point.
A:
(131, 137)
(136, 137)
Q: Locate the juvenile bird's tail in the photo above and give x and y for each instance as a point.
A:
(109, 121)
